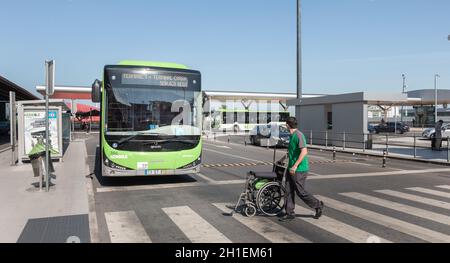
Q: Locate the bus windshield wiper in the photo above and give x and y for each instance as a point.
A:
(129, 138)
(165, 141)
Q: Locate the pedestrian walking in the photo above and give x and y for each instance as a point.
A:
(438, 135)
(298, 168)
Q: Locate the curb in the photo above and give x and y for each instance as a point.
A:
(93, 222)
(5, 150)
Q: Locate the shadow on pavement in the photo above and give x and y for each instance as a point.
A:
(139, 180)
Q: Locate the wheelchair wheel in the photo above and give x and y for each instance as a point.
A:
(270, 199)
(250, 210)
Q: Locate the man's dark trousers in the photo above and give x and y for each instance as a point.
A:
(296, 184)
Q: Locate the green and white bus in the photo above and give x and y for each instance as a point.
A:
(246, 120)
(151, 116)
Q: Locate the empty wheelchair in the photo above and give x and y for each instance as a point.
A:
(264, 193)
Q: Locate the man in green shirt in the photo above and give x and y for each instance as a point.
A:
(298, 171)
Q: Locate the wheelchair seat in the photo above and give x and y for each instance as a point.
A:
(265, 175)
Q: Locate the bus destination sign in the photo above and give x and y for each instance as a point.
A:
(155, 79)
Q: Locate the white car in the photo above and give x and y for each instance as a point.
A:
(429, 133)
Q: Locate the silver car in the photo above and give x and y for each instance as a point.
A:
(429, 133)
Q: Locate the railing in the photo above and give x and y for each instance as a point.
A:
(366, 141)
(411, 144)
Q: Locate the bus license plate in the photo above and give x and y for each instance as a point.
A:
(154, 172)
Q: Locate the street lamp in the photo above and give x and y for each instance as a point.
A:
(299, 50)
(404, 92)
(435, 97)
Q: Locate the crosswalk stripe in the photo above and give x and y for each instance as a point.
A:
(197, 229)
(265, 227)
(390, 222)
(444, 187)
(443, 219)
(338, 228)
(415, 198)
(125, 227)
(429, 191)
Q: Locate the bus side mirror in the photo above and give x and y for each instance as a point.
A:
(96, 92)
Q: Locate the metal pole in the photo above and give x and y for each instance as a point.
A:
(364, 141)
(12, 125)
(404, 91)
(50, 82)
(384, 158)
(311, 138)
(274, 154)
(387, 142)
(90, 121)
(435, 97)
(299, 50)
(210, 115)
(415, 146)
(448, 148)
(47, 148)
(72, 110)
(326, 139)
(344, 142)
(395, 119)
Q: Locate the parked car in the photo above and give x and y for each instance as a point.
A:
(429, 133)
(262, 133)
(391, 127)
(371, 128)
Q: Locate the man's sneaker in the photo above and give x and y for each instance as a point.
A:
(287, 218)
(319, 211)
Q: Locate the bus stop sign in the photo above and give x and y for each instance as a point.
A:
(50, 77)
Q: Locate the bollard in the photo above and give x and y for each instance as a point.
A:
(245, 142)
(448, 148)
(334, 153)
(384, 158)
(311, 138)
(214, 136)
(228, 138)
(326, 139)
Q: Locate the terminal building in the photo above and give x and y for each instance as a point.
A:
(7, 86)
(347, 116)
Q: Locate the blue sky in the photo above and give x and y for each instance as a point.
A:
(348, 45)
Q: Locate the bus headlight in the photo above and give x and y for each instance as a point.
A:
(113, 165)
(193, 164)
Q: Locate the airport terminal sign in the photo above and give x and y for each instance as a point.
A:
(162, 80)
(34, 129)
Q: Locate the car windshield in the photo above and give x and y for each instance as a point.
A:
(283, 129)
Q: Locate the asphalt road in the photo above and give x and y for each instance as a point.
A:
(414, 205)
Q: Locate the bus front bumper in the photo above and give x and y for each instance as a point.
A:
(111, 172)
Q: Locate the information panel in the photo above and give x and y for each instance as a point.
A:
(34, 129)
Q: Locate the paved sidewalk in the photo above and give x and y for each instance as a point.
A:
(28, 215)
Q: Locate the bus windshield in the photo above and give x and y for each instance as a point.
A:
(149, 102)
